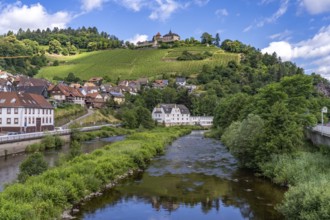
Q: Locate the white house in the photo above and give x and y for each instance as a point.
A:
(25, 112)
(173, 114)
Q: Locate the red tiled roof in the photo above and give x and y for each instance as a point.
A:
(67, 91)
(28, 100)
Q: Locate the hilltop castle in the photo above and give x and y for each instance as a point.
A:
(158, 39)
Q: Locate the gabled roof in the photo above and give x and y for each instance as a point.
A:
(68, 91)
(28, 81)
(180, 79)
(170, 34)
(168, 108)
(28, 100)
(32, 89)
(117, 94)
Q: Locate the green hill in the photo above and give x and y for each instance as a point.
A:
(132, 64)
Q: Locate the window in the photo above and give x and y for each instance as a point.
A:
(29, 111)
(0, 110)
(43, 120)
(8, 110)
(0, 121)
(15, 121)
(38, 111)
(29, 120)
(16, 110)
(50, 120)
(25, 110)
(43, 111)
(8, 121)
(33, 111)
(33, 120)
(47, 120)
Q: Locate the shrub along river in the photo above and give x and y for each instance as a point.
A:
(9, 167)
(197, 178)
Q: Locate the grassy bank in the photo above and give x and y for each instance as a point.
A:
(308, 176)
(97, 118)
(132, 64)
(67, 112)
(47, 195)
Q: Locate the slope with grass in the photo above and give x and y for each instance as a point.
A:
(132, 64)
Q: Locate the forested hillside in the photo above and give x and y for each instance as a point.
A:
(82, 38)
(22, 56)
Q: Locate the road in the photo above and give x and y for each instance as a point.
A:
(89, 112)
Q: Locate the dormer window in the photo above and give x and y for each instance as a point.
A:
(13, 100)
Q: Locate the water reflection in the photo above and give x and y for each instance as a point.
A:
(196, 179)
(9, 167)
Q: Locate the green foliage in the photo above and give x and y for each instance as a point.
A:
(230, 110)
(47, 142)
(72, 39)
(55, 47)
(132, 64)
(66, 112)
(20, 56)
(186, 55)
(241, 138)
(207, 38)
(35, 164)
(136, 117)
(308, 176)
(47, 195)
(75, 149)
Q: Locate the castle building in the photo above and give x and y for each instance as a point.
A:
(157, 39)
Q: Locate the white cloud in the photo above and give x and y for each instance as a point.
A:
(201, 2)
(138, 38)
(316, 6)
(89, 5)
(221, 12)
(314, 51)
(279, 13)
(248, 28)
(18, 15)
(135, 5)
(282, 48)
(285, 35)
(164, 9)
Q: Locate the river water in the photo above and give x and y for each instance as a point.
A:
(197, 178)
(9, 167)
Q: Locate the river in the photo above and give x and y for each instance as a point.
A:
(9, 167)
(197, 178)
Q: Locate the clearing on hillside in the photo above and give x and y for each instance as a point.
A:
(132, 64)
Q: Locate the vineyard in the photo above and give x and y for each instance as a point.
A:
(132, 64)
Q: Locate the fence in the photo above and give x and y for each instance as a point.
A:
(38, 135)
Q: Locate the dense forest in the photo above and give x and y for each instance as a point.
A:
(82, 38)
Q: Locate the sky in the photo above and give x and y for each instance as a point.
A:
(297, 30)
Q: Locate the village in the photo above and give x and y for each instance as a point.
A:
(27, 104)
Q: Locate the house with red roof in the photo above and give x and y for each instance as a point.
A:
(25, 112)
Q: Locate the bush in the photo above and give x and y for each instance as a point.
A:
(308, 176)
(31, 166)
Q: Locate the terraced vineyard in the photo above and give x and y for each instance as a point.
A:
(132, 64)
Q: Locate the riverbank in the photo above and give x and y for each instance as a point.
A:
(47, 195)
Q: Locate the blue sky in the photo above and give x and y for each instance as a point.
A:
(298, 30)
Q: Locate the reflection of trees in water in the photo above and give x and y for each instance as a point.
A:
(255, 197)
(214, 192)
